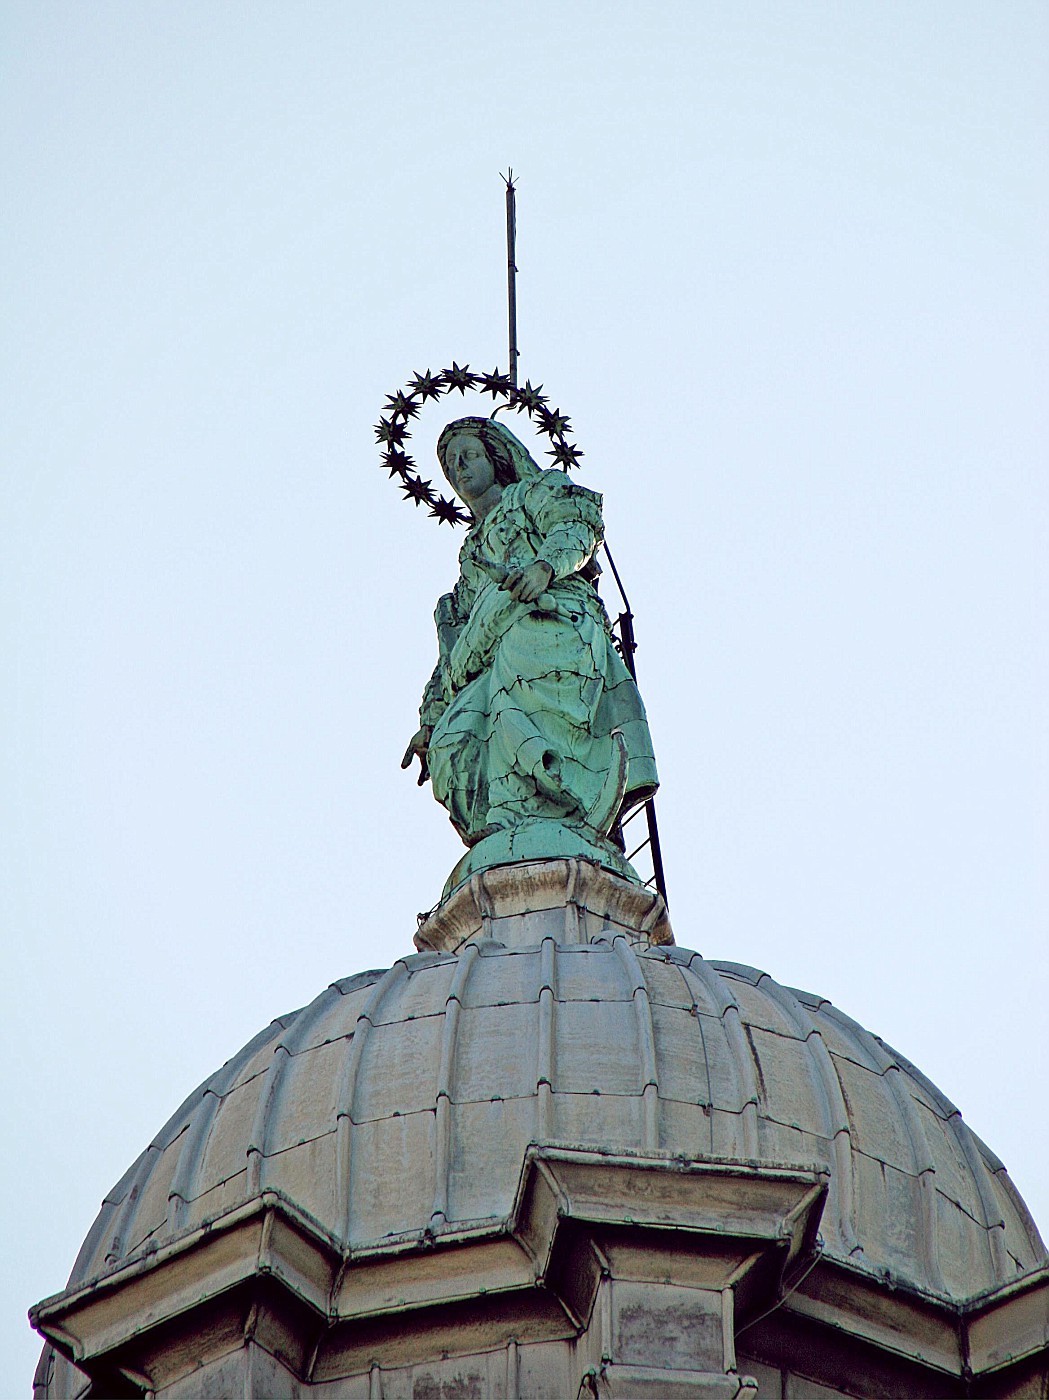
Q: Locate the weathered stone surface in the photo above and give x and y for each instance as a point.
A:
(571, 900)
(391, 1121)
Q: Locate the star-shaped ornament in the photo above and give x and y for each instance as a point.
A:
(428, 386)
(396, 461)
(553, 422)
(459, 377)
(389, 430)
(530, 397)
(448, 512)
(402, 405)
(392, 431)
(495, 383)
(565, 454)
(417, 490)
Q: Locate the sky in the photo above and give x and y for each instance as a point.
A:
(784, 265)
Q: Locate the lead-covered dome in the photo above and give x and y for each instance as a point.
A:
(401, 1103)
(403, 1098)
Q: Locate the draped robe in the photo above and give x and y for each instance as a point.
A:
(525, 696)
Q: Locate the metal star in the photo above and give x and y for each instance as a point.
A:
(402, 405)
(565, 454)
(428, 385)
(530, 397)
(448, 512)
(396, 461)
(417, 490)
(391, 431)
(495, 383)
(459, 377)
(553, 422)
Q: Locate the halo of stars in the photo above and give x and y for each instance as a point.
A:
(393, 430)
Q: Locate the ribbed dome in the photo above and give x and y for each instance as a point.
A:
(403, 1101)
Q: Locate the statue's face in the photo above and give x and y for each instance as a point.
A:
(466, 465)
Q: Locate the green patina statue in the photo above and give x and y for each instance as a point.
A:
(532, 730)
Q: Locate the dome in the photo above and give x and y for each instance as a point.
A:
(400, 1100)
(400, 1104)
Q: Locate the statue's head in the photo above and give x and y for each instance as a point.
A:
(508, 457)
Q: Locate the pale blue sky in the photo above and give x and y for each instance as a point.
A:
(785, 266)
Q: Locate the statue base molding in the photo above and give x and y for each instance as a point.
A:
(572, 900)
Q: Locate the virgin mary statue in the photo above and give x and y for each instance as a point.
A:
(531, 728)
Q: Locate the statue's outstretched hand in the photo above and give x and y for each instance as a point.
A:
(525, 585)
(417, 747)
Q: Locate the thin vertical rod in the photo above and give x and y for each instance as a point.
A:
(629, 646)
(511, 269)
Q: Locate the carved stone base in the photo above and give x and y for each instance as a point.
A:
(571, 900)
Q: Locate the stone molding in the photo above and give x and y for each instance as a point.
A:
(583, 1223)
(649, 1267)
(571, 900)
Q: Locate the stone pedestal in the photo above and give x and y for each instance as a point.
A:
(570, 900)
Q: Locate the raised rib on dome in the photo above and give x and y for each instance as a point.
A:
(400, 1103)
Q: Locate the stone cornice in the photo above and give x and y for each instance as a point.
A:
(734, 1230)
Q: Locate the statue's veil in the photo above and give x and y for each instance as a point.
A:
(524, 465)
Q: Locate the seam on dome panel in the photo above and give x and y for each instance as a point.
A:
(959, 1130)
(694, 1009)
(240, 1084)
(1032, 1236)
(691, 1005)
(411, 1019)
(124, 1206)
(892, 1073)
(878, 1060)
(300, 1142)
(738, 972)
(140, 1171)
(685, 1103)
(109, 1209)
(346, 1092)
(271, 1093)
(894, 1166)
(812, 1001)
(452, 1011)
(868, 1065)
(321, 1045)
(357, 981)
(470, 1103)
(192, 1151)
(732, 1025)
(286, 1019)
(832, 1097)
(941, 1104)
(993, 1162)
(218, 1185)
(546, 1047)
(828, 1138)
(646, 1036)
(924, 1160)
(388, 1117)
(632, 1095)
(497, 1005)
(588, 1001)
(987, 1229)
